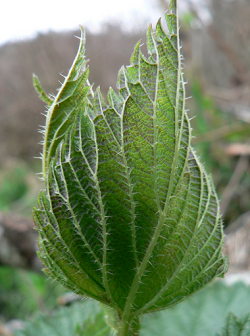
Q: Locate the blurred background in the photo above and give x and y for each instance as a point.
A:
(215, 36)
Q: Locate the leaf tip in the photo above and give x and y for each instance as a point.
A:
(42, 94)
(173, 7)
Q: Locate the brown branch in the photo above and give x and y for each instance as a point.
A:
(229, 94)
(231, 188)
(242, 71)
(237, 149)
(237, 246)
(220, 132)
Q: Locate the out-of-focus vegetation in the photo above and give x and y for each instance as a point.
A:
(13, 186)
(204, 313)
(24, 293)
(215, 130)
(217, 66)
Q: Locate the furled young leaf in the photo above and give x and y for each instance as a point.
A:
(129, 216)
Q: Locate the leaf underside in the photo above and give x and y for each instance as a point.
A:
(129, 216)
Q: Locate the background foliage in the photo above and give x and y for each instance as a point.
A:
(204, 313)
(220, 106)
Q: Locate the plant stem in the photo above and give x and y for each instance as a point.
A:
(130, 329)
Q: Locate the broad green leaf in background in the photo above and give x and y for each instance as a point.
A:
(204, 313)
(129, 216)
(69, 322)
(236, 326)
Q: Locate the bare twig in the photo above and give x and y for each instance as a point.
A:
(237, 243)
(229, 94)
(238, 149)
(233, 183)
(220, 133)
(241, 221)
(242, 71)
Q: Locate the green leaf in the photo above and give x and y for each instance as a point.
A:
(203, 313)
(79, 319)
(95, 325)
(70, 101)
(129, 216)
(236, 326)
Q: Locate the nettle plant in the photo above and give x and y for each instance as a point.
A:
(129, 216)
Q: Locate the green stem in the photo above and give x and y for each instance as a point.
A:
(129, 329)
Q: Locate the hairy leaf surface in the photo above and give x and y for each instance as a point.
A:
(129, 216)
